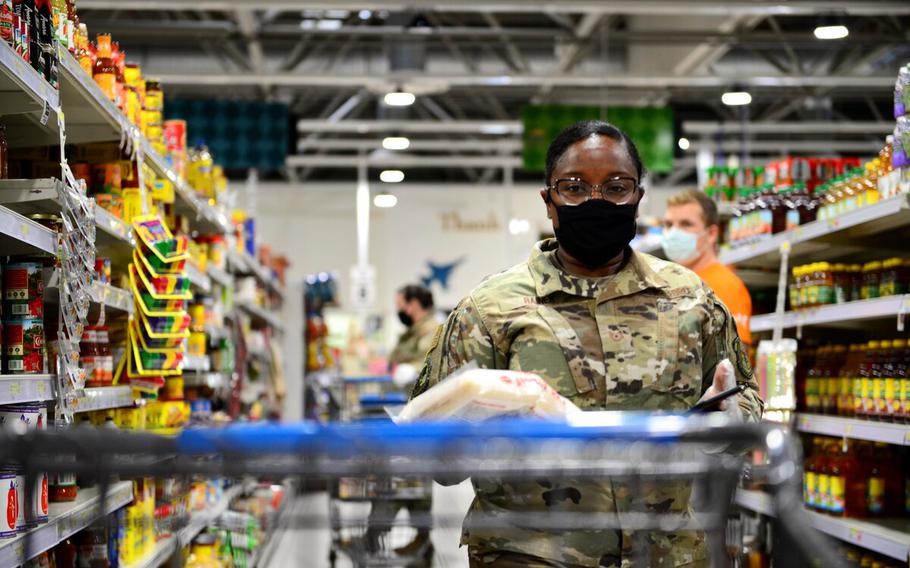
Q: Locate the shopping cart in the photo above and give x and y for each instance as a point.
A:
(364, 511)
(640, 449)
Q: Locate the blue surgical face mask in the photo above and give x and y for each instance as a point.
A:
(679, 245)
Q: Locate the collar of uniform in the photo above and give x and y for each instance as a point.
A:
(636, 275)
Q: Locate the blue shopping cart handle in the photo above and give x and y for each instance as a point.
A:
(421, 437)
(368, 379)
(383, 399)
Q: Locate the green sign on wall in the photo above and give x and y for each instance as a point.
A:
(651, 128)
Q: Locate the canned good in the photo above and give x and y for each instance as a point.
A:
(103, 270)
(173, 388)
(20, 418)
(62, 487)
(197, 316)
(23, 346)
(10, 498)
(49, 220)
(23, 290)
(36, 511)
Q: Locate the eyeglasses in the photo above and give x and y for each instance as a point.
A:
(573, 191)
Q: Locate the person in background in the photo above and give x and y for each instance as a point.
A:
(691, 229)
(415, 311)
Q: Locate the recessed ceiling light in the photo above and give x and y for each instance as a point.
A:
(683, 143)
(391, 176)
(396, 143)
(736, 98)
(399, 98)
(385, 200)
(831, 32)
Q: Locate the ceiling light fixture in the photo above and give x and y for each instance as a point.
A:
(385, 200)
(831, 32)
(683, 143)
(399, 99)
(396, 143)
(736, 98)
(391, 176)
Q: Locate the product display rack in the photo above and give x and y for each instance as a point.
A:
(849, 314)
(66, 519)
(869, 430)
(29, 102)
(889, 537)
(19, 235)
(261, 316)
(104, 398)
(167, 547)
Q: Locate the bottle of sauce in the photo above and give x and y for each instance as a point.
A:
(813, 381)
(866, 407)
(105, 71)
(872, 274)
(847, 487)
(856, 274)
(823, 503)
(83, 54)
(880, 373)
(830, 388)
(89, 357)
(810, 475)
(856, 383)
(778, 209)
(903, 374)
(105, 357)
(844, 381)
(825, 277)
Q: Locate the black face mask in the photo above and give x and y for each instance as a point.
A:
(595, 231)
(407, 320)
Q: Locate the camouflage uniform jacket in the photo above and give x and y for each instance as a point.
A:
(648, 337)
(414, 343)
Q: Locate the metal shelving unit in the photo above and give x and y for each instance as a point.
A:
(66, 519)
(886, 432)
(26, 388)
(219, 276)
(29, 103)
(205, 379)
(166, 547)
(199, 280)
(19, 235)
(90, 115)
(112, 297)
(820, 236)
(850, 314)
(243, 263)
(888, 537)
(103, 398)
(261, 315)
(196, 364)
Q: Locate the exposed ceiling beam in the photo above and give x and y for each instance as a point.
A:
(441, 82)
(404, 161)
(249, 28)
(451, 145)
(707, 54)
(785, 146)
(519, 63)
(714, 128)
(412, 126)
(643, 7)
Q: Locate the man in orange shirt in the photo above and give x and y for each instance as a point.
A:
(691, 229)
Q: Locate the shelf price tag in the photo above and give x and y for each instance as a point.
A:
(15, 388)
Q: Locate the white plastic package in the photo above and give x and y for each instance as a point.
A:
(478, 394)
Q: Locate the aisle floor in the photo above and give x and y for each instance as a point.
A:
(300, 546)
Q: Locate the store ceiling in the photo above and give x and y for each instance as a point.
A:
(473, 66)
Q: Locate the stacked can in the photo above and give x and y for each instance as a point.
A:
(23, 511)
(23, 324)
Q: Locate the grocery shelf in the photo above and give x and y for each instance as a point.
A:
(219, 276)
(823, 235)
(887, 432)
(890, 537)
(198, 279)
(196, 364)
(29, 104)
(90, 115)
(205, 379)
(103, 398)
(20, 235)
(244, 263)
(26, 388)
(66, 519)
(849, 314)
(261, 315)
(167, 547)
(112, 297)
(30, 196)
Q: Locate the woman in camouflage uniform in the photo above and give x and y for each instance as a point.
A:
(608, 327)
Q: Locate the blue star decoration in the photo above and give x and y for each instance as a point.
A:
(440, 273)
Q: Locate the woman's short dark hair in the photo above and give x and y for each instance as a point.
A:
(419, 293)
(581, 130)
